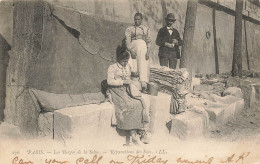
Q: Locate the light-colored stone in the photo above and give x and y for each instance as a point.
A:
(224, 109)
(203, 87)
(189, 124)
(256, 88)
(246, 88)
(106, 133)
(200, 99)
(93, 122)
(45, 124)
(160, 115)
(204, 114)
(234, 91)
(253, 97)
(216, 115)
(10, 131)
(81, 122)
(195, 81)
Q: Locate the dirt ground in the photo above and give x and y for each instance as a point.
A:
(245, 126)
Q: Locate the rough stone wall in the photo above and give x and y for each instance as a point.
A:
(67, 65)
(225, 24)
(6, 22)
(27, 38)
(203, 56)
(253, 43)
(153, 12)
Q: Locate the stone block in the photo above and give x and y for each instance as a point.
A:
(219, 87)
(106, 133)
(232, 82)
(160, 115)
(253, 97)
(240, 106)
(257, 91)
(216, 113)
(195, 81)
(22, 110)
(204, 114)
(246, 88)
(189, 124)
(234, 91)
(81, 122)
(10, 131)
(225, 109)
(45, 124)
(197, 99)
(203, 87)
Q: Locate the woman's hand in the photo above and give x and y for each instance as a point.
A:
(133, 54)
(144, 85)
(127, 81)
(147, 56)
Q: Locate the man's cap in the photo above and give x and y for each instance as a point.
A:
(170, 16)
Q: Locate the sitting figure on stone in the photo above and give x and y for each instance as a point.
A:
(129, 109)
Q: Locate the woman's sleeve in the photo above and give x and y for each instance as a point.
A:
(111, 79)
(128, 39)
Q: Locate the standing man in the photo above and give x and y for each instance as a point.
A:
(168, 40)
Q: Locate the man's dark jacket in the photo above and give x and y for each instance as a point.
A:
(164, 36)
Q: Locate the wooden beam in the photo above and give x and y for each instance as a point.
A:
(188, 35)
(215, 40)
(247, 53)
(237, 54)
(164, 10)
(227, 10)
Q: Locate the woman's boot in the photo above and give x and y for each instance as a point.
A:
(144, 137)
(135, 137)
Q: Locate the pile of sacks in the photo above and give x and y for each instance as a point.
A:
(173, 82)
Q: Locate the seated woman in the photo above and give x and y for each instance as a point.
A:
(129, 111)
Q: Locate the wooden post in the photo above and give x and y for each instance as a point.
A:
(188, 35)
(237, 57)
(164, 10)
(215, 40)
(247, 54)
(4, 47)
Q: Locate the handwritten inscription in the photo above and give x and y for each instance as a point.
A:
(230, 159)
(49, 161)
(140, 159)
(94, 160)
(208, 161)
(16, 160)
(234, 159)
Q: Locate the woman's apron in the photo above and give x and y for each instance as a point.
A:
(128, 111)
(140, 64)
